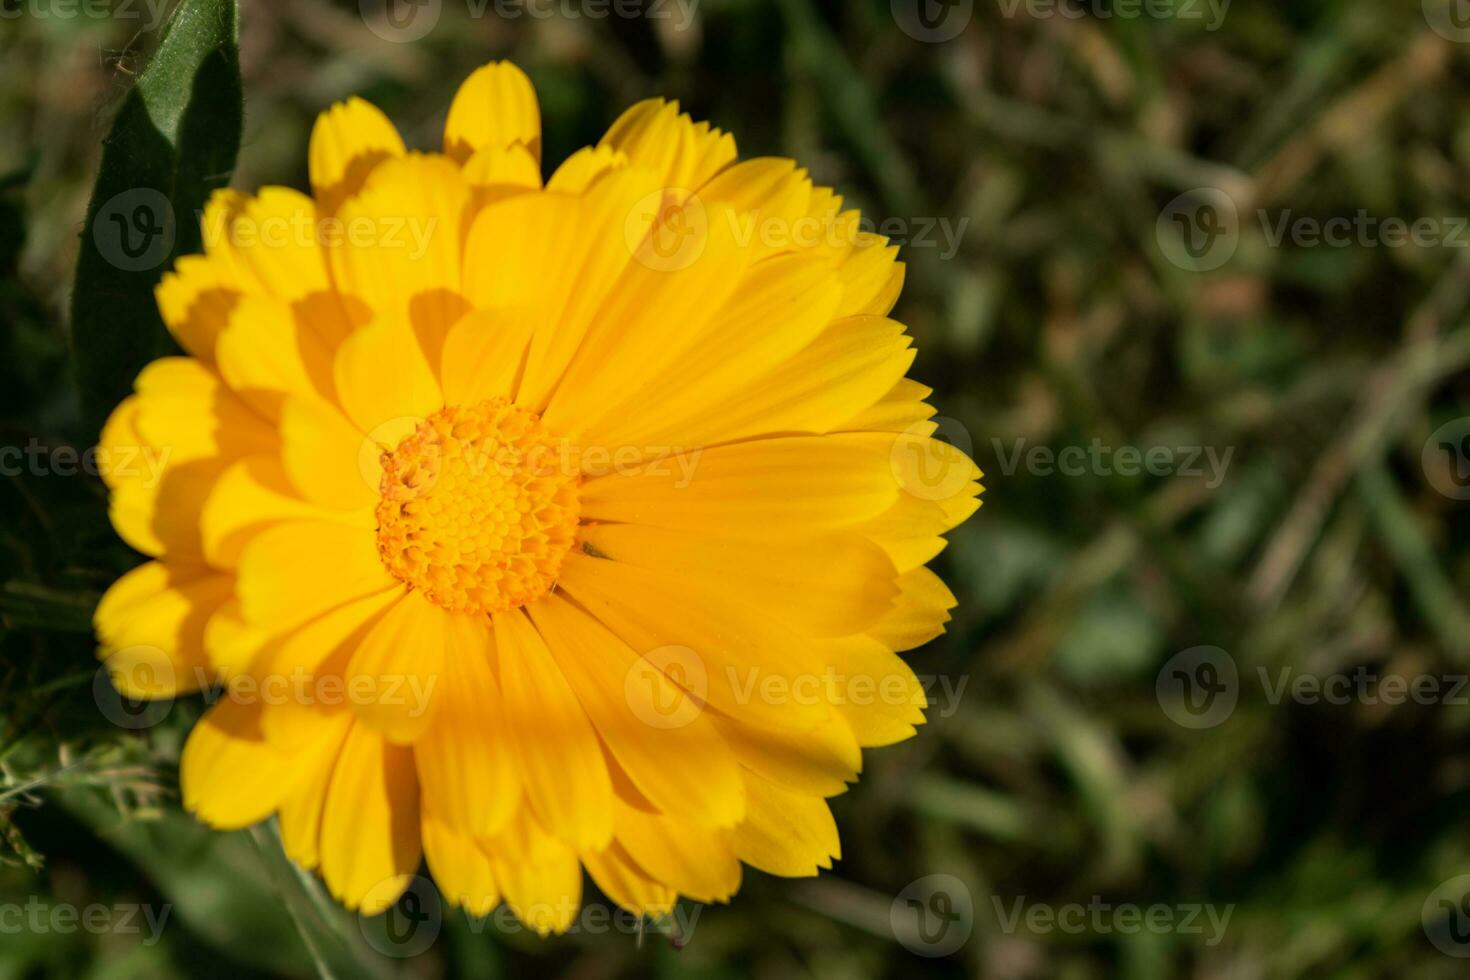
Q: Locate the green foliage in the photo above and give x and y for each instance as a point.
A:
(172, 143)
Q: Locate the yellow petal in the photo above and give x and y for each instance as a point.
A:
(743, 663)
(461, 869)
(627, 884)
(231, 776)
(399, 251)
(656, 312)
(162, 518)
(865, 262)
(770, 488)
(654, 134)
(162, 449)
(919, 615)
(685, 768)
(266, 352)
(293, 572)
(195, 299)
(383, 377)
(853, 364)
(909, 531)
(401, 666)
(370, 844)
(220, 211)
(881, 699)
(902, 409)
(483, 356)
(561, 760)
(300, 815)
(872, 277)
(496, 106)
(821, 760)
(272, 246)
(554, 258)
(496, 172)
(928, 469)
(324, 647)
(540, 876)
(304, 671)
(347, 142)
(151, 627)
(518, 249)
(768, 198)
(691, 860)
(250, 496)
(275, 240)
(185, 410)
(119, 437)
(578, 171)
(133, 498)
(788, 834)
(832, 585)
(848, 367)
(231, 643)
(780, 306)
(327, 459)
(466, 758)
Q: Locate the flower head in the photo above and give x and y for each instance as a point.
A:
(524, 528)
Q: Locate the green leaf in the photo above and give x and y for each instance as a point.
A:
(172, 144)
(24, 605)
(213, 884)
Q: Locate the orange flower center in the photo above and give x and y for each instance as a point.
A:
(479, 507)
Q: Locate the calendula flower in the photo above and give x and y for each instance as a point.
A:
(522, 528)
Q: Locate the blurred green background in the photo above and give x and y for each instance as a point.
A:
(1063, 295)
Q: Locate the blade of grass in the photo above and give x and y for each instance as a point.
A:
(1400, 532)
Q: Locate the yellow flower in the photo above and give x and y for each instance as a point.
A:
(524, 528)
